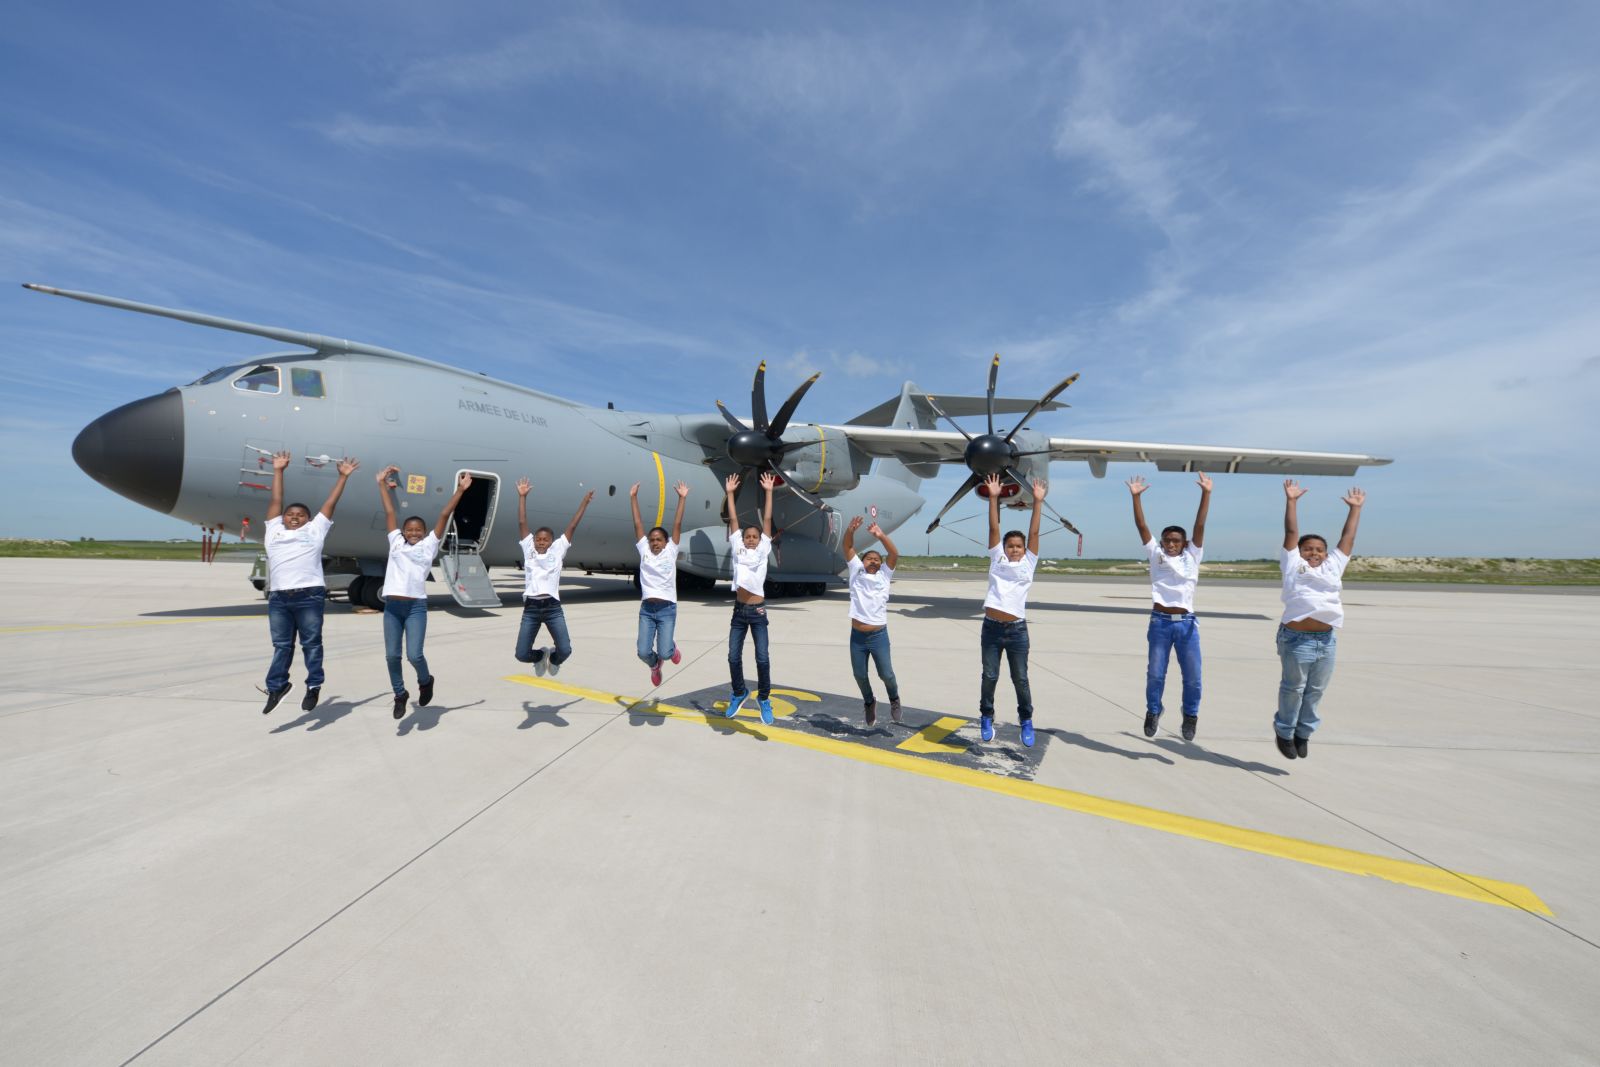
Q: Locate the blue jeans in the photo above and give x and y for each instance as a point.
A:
(543, 611)
(1307, 668)
(657, 621)
(409, 617)
(1166, 633)
(1011, 638)
(874, 645)
(291, 611)
(751, 617)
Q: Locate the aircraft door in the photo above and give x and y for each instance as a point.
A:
(474, 516)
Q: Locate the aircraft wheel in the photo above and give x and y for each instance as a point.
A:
(819, 588)
(353, 591)
(372, 594)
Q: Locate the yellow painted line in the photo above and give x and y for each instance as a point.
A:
(931, 738)
(1404, 872)
(69, 627)
(822, 468)
(661, 489)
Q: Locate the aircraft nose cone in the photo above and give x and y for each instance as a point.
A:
(137, 450)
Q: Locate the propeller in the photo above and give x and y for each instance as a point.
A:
(761, 447)
(990, 453)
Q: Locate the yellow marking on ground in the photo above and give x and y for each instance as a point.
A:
(931, 738)
(124, 624)
(1405, 872)
(661, 489)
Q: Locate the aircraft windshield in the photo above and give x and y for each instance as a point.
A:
(260, 379)
(215, 376)
(304, 381)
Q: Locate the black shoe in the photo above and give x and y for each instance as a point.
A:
(1189, 723)
(1286, 747)
(1300, 746)
(400, 704)
(274, 697)
(1150, 719)
(871, 707)
(309, 701)
(425, 692)
(894, 708)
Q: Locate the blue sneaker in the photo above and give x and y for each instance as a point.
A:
(735, 702)
(986, 727)
(766, 711)
(1027, 732)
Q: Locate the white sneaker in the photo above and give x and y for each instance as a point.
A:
(541, 664)
(555, 668)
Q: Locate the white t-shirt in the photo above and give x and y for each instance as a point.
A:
(750, 564)
(869, 593)
(1313, 592)
(1173, 578)
(409, 565)
(294, 557)
(658, 572)
(1009, 582)
(541, 575)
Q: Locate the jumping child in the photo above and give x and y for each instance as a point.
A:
(1012, 560)
(297, 592)
(412, 547)
(750, 548)
(542, 556)
(658, 585)
(870, 576)
(1174, 571)
(1313, 578)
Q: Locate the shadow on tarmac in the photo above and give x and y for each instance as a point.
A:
(1194, 752)
(324, 714)
(545, 714)
(1089, 743)
(427, 718)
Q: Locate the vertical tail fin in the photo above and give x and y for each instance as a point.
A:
(910, 412)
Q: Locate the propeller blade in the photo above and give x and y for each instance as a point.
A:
(735, 423)
(994, 373)
(1014, 476)
(1051, 395)
(939, 411)
(788, 483)
(758, 397)
(781, 423)
(967, 486)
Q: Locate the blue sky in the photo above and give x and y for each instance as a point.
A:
(1360, 227)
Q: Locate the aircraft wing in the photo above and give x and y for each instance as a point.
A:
(940, 446)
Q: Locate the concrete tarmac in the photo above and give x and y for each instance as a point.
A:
(550, 870)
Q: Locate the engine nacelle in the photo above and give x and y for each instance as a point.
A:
(828, 466)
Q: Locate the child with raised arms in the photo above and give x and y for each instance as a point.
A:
(750, 548)
(543, 554)
(1313, 612)
(1174, 572)
(1012, 560)
(412, 547)
(658, 585)
(297, 592)
(870, 575)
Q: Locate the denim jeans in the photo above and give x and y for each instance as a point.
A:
(751, 617)
(657, 621)
(1166, 634)
(1307, 668)
(1012, 638)
(543, 611)
(874, 645)
(408, 617)
(291, 611)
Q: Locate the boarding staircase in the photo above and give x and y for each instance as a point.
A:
(466, 573)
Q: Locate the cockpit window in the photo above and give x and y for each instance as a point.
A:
(215, 376)
(303, 381)
(262, 379)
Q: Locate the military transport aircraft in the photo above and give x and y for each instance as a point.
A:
(202, 452)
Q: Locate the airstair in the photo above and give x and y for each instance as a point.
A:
(460, 556)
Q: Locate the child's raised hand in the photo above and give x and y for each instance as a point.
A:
(769, 481)
(634, 491)
(523, 486)
(992, 483)
(463, 482)
(876, 531)
(1137, 485)
(1355, 497)
(586, 498)
(280, 460)
(348, 466)
(855, 524)
(1040, 489)
(1293, 489)
(1203, 482)
(384, 475)
(682, 489)
(731, 483)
